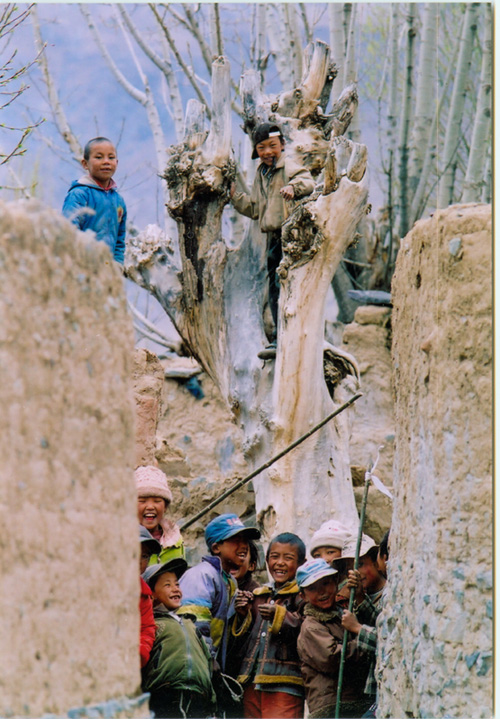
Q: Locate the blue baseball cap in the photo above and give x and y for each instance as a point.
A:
(226, 526)
(311, 571)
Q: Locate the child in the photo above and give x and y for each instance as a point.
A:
(209, 588)
(267, 626)
(345, 563)
(244, 575)
(154, 496)
(327, 542)
(320, 646)
(278, 179)
(93, 203)
(366, 634)
(178, 675)
(149, 546)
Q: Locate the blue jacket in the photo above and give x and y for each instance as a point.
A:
(208, 593)
(107, 214)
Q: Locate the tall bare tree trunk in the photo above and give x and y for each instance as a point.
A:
(404, 132)
(482, 122)
(454, 122)
(425, 96)
(214, 295)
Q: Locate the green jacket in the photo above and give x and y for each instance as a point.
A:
(180, 659)
(265, 202)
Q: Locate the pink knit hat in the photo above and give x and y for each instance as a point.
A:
(152, 482)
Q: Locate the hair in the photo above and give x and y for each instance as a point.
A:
(254, 552)
(289, 538)
(384, 545)
(372, 554)
(90, 144)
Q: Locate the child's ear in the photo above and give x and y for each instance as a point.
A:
(83, 163)
(215, 549)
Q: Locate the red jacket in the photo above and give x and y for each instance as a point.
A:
(148, 626)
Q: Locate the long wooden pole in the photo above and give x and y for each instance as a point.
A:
(271, 461)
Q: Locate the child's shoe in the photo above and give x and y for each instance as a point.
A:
(268, 353)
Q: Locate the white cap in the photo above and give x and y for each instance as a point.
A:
(330, 534)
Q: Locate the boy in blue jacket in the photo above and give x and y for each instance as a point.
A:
(209, 589)
(93, 202)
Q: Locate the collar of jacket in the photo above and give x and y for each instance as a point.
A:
(89, 182)
(288, 588)
(322, 615)
(264, 169)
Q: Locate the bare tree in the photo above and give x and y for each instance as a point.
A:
(214, 293)
(10, 75)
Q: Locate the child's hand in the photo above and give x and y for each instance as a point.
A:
(232, 190)
(287, 192)
(353, 579)
(350, 622)
(267, 611)
(241, 601)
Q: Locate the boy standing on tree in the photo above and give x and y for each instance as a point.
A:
(93, 203)
(278, 180)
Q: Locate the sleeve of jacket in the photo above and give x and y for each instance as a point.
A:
(119, 252)
(300, 178)
(74, 200)
(286, 622)
(200, 598)
(247, 204)
(148, 628)
(367, 639)
(320, 650)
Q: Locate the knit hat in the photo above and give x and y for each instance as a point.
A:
(152, 482)
(311, 571)
(226, 526)
(330, 534)
(148, 541)
(263, 132)
(349, 547)
(151, 573)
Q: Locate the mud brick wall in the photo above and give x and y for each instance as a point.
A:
(435, 645)
(69, 620)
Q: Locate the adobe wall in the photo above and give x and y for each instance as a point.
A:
(435, 647)
(69, 621)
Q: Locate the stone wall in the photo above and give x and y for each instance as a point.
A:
(368, 338)
(69, 619)
(435, 646)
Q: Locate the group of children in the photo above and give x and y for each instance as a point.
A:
(93, 202)
(220, 636)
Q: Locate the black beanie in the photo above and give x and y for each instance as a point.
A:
(263, 132)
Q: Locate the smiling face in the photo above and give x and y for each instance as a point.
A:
(326, 553)
(247, 566)
(321, 594)
(270, 150)
(283, 562)
(102, 162)
(232, 552)
(150, 511)
(167, 590)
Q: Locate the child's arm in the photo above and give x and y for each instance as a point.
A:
(244, 204)
(366, 636)
(200, 598)
(282, 620)
(119, 251)
(148, 627)
(74, 206)
(300, 180)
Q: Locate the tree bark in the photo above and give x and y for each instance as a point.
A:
(405, 124)
(214, 295)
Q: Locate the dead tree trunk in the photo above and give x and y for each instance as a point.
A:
(215, 294)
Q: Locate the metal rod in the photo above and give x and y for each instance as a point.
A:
(353, 590)
(267, 464)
